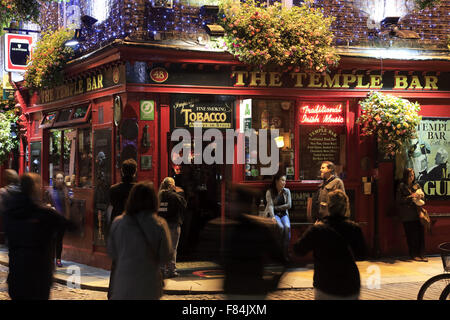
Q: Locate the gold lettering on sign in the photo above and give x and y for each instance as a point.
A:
(314, 81)
(240, 75)
(431, 83)
(275, 79)
(298, 77)
(376, 81)
(331, 83)
(360, 84)
(256, 77)
(401, 82)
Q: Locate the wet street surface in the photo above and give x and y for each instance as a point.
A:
(400, 291)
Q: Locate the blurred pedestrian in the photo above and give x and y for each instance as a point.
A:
(30, 228)
(139, 243)
(407, 196)
(12, 184)
(171, 207)
(118, 195)
(249, 247)
(336, 243)
(330, 182)
(278, 199)
(59, 198)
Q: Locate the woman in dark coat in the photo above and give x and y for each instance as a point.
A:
(139, 243)
(30, 229)
(407, 209)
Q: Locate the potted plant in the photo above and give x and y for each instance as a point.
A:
(273, 36)
(391, 119)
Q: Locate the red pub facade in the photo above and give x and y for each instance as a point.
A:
(126, 100)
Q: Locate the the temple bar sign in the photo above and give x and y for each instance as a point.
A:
(361, 80)
(17, 51)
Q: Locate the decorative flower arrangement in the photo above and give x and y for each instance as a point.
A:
(393, 120)
(266, 36)
(19, 10)
(423, 4)
(48, 60)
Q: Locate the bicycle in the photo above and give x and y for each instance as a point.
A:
(438, 287)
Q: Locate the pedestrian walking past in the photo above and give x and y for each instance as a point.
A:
(330, 182)
(30, 228)
(250, 246)
(279, 202)
(59, 198)
(171, 207)
(336, 242)
(139, 243)
(118, 196)
(12, 184)
(408, 194)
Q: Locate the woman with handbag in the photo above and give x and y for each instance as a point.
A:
(408, 198)
(139, 243)
(279, 201)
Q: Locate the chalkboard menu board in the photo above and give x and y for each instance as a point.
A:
(318, 144)
(297, 213)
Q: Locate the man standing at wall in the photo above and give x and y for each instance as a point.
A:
(330, 182)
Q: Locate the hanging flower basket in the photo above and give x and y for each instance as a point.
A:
(50, 56)
(273, 36)
(391, 119)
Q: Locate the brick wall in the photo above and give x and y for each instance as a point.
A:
(141, 21)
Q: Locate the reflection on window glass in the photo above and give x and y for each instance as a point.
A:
(85, 157)
(80, 112)
(49, 117)
(273, 114)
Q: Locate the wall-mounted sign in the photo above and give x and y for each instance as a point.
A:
(159, 75)
(388, 80)
(147, 110)
(102, 79)
(318, 144)
(17, 51)
(192, 111)
(322, 113)
(428, 156)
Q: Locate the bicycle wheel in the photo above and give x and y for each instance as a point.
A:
(445, 295)
(434, 287)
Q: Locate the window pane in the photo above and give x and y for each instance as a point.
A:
(85, 158)
(54, 159)
(80, 112)
(49, 117)
(273, 114)
(64, 115)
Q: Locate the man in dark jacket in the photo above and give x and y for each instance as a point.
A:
(336, 242)
(30, 229)
(118, 196)
(171, 207)
(330, 183)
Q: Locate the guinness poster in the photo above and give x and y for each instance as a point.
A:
(428, 156)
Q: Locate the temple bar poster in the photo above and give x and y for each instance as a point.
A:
(428, 156)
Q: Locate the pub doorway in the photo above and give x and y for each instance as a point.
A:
(203, 186)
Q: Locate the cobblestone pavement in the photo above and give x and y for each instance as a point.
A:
(400, 291)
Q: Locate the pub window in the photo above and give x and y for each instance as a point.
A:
(322, 137)
(63, 157)
(271, 114)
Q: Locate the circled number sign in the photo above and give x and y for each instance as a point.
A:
(159, 75)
